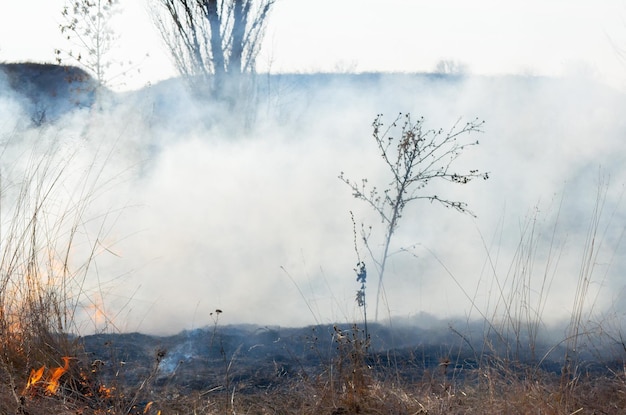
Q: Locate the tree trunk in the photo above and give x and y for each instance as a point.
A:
(241, 9)
(217, 51)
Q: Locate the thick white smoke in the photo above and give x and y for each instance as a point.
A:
(255, 222)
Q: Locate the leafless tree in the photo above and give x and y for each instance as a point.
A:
(86, 25)
(415, 158)
(213, 42)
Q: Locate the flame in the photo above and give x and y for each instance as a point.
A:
(55, 375)
(35, 376)
(148, 406)
(96, 312)
(105, 392)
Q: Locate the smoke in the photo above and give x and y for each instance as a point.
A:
(189, 216)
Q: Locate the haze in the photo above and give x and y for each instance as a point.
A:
(192, 216)
(553, 38)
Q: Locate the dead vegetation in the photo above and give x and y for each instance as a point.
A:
(340, 388)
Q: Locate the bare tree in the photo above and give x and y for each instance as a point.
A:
(86, 24)
(415, 159)
(213, 42)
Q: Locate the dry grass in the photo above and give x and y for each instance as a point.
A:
(46, 256)
(489, 391)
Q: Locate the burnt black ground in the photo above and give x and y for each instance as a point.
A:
(256, 358)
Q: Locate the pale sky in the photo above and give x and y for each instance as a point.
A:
(540, 37)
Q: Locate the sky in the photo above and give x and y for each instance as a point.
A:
(554, 37)
(191, 217)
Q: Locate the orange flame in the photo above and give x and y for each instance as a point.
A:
(35, 376)
(105, 392)
(55, 375)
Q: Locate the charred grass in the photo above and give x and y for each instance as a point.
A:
(128, 374)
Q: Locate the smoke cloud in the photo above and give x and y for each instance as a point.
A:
(189, 216)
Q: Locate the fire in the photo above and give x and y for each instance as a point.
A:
(35, 376)
(147, 408)
(106, 392)
(96, 312)
(55, 375)
(52, 382)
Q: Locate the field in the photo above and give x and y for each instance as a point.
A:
(162, 256)
(315, 370)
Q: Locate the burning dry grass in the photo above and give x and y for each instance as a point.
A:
(45, 260)
(50, 384)
(486, 391)
(77, 388)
